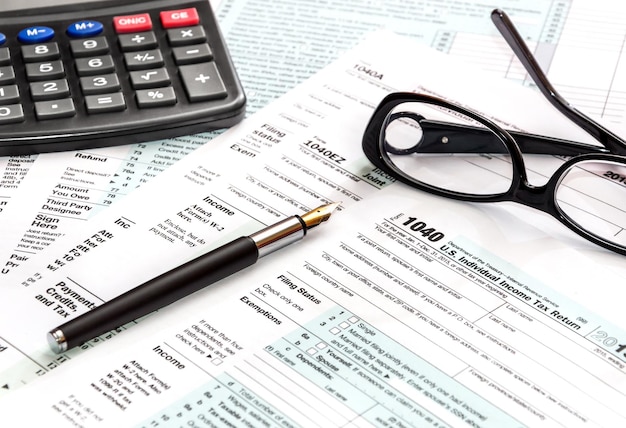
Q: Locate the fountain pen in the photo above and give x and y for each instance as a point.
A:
(185, 279)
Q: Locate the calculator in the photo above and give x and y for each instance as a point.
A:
(78, 74)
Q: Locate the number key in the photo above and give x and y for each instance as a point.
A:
(100, 84)
(7, 75)
(49, 90)
(89, 47)
(9, 94)
(45, 70)
(95, 65)
(42, 52)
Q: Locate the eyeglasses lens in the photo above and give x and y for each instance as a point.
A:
(592, 194)
(445, 149)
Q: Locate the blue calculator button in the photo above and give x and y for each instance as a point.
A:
(3, 38)
(85, 29)
(35, 34)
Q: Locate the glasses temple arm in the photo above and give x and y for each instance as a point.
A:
(515, 41)
(445, 137)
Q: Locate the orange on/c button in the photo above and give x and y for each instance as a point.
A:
(180, 18)
(132, 23)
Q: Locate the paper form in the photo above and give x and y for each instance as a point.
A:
(589, 64)
(397, 313)
(555, 30)
(13, 170)
(66, 188)
(462, 30)
(276, 47)
(577, 43)
(317, 159)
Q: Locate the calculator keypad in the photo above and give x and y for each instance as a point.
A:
(102, 65)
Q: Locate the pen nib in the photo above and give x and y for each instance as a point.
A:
(319, 215)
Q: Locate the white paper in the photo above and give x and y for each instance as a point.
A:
(317, 159)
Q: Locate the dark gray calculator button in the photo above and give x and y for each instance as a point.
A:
(105, 103)
(100, 84)
(149, 78)
(41, 52)
(11, 114)
(156, 97)
(95, 65)
(49, 90)
(89, 47)
(192, 54)
(186, 35)
(202, 82)
(137, 41)
(143, 59)
(55, 109)
(5, 56)
(45, 70)
(7, 75)
(9, 94)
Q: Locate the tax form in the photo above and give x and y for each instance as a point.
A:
(57, 191)
(553, 28)
(413, 309)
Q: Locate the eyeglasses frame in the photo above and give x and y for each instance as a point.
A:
(543, 197)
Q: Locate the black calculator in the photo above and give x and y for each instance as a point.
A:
(78, 74)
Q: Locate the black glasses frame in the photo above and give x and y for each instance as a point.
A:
(520, 191)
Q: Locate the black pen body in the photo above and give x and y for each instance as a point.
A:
(186, 279)
(161, 291)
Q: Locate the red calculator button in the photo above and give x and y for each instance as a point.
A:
(132, 23)
(180, 18)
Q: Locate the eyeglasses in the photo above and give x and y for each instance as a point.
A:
(448, 150)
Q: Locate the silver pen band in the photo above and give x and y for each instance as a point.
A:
(279, 235)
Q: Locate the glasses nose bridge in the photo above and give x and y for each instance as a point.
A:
(533, 196)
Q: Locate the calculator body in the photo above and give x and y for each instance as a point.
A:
(95, 73)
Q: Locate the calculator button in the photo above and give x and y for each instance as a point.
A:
(42, 52)
(85, 29)
(105, 103)
(11, 114)
(186, 36)
(149, 78)
(9, 94)
(180, 18)
(3, 38)
(7, 75)
(100, 84)
(202, 82)
(88, 47)
(132, 23)
(192, 54)
(35, 34)
(143, 59)
(138, 41)
(45, 70)
(55, 109)
(5, 56)
(156, 97)
(49, 90)
(95, 65)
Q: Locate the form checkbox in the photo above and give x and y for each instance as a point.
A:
(353, 320)
(335, 330)
(311, 351)
(344, 325)
(321, 345)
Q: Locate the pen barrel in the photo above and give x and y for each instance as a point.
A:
(161, 291)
